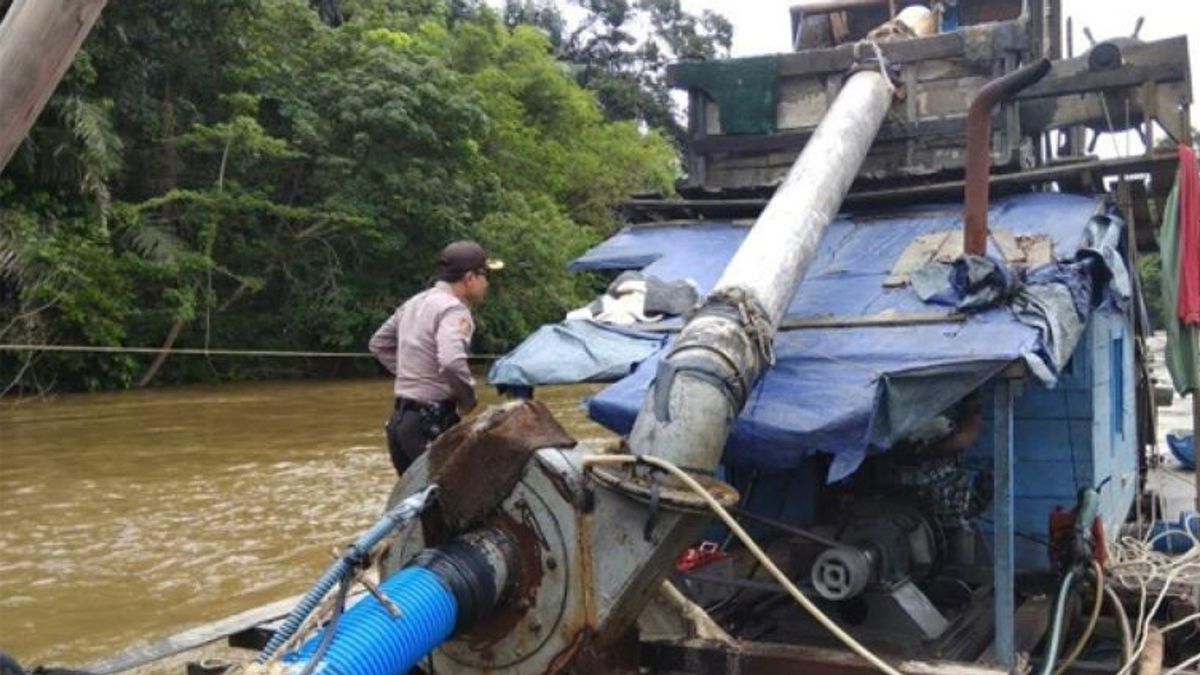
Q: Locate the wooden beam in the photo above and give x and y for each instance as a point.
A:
(795, 140)
(1030, 623)
(38, 41)
(1160, 61)
(192, 638)
(1001, 36)
(1004, 565)
(749, 207)
(871, 320)
(700, 657)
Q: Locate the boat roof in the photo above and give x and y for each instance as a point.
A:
(860, 360)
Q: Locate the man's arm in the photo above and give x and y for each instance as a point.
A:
(383, 344)
(454, 332)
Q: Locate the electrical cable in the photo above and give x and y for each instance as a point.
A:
(752, 546)
(749, 495)
(1122, 623)
(330, 628)
(1091, 624)
(1056, 625)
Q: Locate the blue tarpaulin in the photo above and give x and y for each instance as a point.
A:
(572, 352)
(844, 391)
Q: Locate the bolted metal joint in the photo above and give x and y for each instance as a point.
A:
(724, 345)
(478, 569)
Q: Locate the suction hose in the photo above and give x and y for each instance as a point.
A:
(357, 553)
(442, 592)
(370, 641)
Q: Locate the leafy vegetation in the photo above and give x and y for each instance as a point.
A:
(620, 49)
(279, 174)
(1150, 275)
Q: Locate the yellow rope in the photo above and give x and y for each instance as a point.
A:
(749, 543)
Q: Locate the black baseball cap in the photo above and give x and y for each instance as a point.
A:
(464, 256)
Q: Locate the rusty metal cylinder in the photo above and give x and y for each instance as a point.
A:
(979, 158)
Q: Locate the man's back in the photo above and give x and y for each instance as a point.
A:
(425, 343)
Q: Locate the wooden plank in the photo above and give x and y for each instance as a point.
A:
(794, 140)
(882, 319)
(1059, 403)
(920, 252)
(1029, 625)
(750, 207)
(700, 657)
(192, 638)
(1007, 244)
(1111, 79)
(1004, 563)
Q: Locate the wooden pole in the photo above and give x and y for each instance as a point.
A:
(38, 41)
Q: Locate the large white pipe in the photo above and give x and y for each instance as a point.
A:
(777, 251)
(702, 385)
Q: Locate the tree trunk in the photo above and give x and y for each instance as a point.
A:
(38, 41)
(163, 352)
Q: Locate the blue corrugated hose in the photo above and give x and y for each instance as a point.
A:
(402, 513)
(370, 641)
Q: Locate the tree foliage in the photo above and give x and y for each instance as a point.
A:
(280, 174)
(620, 49)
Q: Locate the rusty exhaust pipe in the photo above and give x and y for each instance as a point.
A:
(979, 141)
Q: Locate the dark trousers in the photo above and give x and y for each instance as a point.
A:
(410, 429)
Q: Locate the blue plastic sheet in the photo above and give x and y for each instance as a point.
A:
(1184, 449)
(574, 351)
(849, 391)
(831, 390)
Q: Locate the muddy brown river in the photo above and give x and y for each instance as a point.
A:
(130, 516)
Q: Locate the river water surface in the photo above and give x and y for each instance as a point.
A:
(130, 516)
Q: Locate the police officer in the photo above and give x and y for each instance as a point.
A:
(424, 344)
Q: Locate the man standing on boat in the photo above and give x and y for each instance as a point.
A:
(424, 344)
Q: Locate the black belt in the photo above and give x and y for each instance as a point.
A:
(403, 404)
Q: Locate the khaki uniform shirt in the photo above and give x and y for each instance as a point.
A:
(424, 343)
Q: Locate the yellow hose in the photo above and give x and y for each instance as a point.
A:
(1091, 625)
(748, 542)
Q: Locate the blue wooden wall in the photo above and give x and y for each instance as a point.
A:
(1074, 435)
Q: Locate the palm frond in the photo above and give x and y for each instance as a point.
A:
(94, 145)
(155, 242)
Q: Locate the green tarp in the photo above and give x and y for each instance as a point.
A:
(743, 89)
(1183, 342)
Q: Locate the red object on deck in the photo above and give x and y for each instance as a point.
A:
(1062, 532)
(1189, 237)
(699, 556)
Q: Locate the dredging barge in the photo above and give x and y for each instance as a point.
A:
(916, 374)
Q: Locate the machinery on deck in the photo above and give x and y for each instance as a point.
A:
(882, 103)
(537, 556)
(564, 570)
